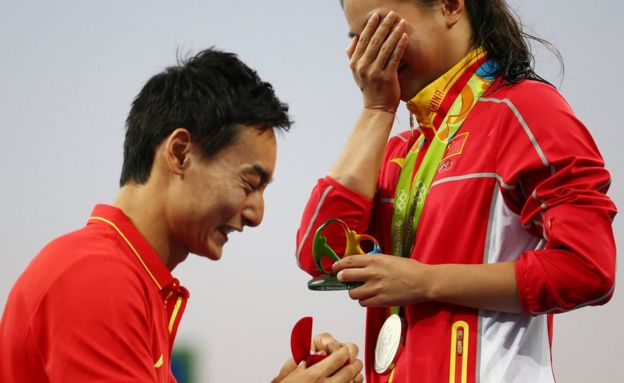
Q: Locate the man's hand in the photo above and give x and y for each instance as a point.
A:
(332, 369)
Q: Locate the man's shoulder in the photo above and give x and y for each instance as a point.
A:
(84, 258)
(85, 246)
(91, 238)
(72, 274)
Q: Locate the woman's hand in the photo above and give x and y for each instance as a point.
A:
(396, 281)
(388, 280)
(374, 56)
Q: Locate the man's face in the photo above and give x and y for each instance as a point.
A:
(217, 196)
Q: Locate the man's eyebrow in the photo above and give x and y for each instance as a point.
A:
(265, 178)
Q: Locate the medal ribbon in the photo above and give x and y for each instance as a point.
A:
(469, 80)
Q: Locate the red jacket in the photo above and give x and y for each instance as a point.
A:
(521, 180)
(94, 305)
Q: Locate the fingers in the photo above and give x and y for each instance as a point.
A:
(335, 366)
(365, 296)
(373, 49)
(354, 275)
(384, 52)
(340, 365)
(348, 373)
(365, 37)
(353, 350)
(325, 343)
(352, 46)
(378, 43)
(397, 53)
(374, 59)
(359, 378)
(353, 261)
(362, 269)
(288, 368)
(354, 268)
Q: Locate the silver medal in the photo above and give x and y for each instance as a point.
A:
(387, 345)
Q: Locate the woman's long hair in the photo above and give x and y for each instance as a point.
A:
(500, 32)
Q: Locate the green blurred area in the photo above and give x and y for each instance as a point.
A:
(183, 364)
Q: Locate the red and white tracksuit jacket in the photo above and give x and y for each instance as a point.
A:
(521, 180)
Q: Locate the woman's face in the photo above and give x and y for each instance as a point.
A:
(434, 45)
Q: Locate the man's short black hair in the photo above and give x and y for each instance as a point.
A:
(212, 94)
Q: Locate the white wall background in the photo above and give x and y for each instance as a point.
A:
(70, 69)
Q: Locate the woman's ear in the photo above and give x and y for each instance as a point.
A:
(453, 11)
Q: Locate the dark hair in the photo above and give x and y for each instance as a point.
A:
(212, 94)
(500, 32)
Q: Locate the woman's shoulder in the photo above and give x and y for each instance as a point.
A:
(529, 99)
(532, 92)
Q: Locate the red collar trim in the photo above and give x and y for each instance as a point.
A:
(145, 254)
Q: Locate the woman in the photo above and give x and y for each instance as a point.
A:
(491, 213)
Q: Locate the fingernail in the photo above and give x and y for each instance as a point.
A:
(339, 276)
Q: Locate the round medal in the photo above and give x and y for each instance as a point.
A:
(387, 346)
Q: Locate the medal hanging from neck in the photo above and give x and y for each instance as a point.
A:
(467, 81)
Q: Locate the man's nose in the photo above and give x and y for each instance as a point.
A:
(254, 211)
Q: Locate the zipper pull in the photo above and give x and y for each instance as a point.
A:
(460, 342)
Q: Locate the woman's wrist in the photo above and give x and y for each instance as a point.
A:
(381, 108)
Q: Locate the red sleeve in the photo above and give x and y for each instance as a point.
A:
(94, 325)
(554, 162)
(329, 199)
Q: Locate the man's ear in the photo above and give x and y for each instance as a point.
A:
(453, 11)
(177, 150)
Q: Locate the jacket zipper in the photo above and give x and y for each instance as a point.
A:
(459, 353)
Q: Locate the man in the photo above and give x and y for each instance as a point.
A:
(100, 303)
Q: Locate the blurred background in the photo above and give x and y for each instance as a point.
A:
(70, 70)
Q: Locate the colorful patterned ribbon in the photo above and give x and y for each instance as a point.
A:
(468, 81)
